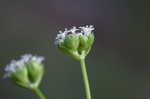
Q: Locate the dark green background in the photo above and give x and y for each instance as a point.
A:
(118, 64)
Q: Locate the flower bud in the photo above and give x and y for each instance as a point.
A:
(86, 43)
(20, 76)
(90, 39)
(35, 70)
(71, 42)
(83, 43)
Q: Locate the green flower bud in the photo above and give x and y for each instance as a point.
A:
(35, 72)
(86, 39)
(20, 76)
(71, 42)
(68, 41)
(26, 72)
(83, 43)
(90, 39)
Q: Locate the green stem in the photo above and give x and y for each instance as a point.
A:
(85, 79)
(38, 92)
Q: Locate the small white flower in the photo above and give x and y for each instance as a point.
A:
(73, 30)
(26, 57)
(38, 59)
(12, 67)
(60, 37)
(85, 30)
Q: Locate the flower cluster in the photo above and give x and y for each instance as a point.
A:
(14, 64)
(84, 30)
(26, 71)
(76, 42)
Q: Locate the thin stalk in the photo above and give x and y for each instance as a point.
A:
(85, 79)
(38, 93)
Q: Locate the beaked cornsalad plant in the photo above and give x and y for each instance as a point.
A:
(28, 71)
(77, 42)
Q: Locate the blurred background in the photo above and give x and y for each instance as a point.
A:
(118, 64)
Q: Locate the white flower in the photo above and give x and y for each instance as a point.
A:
(14, 65)
(73, 30)
(38, 59)
(60, 37)
(85, 30)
